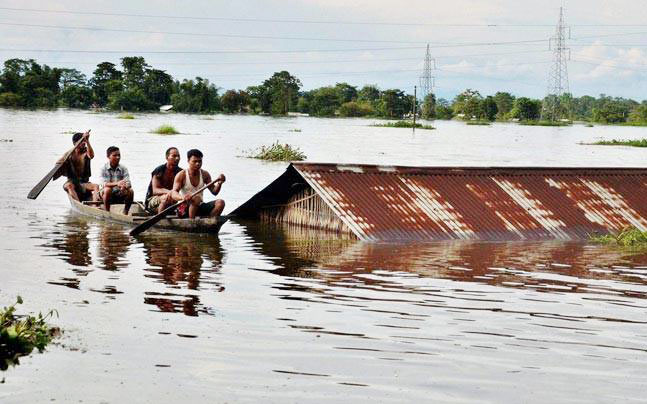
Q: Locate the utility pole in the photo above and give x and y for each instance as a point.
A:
(426, 79)
(558, 73)
(415, 99)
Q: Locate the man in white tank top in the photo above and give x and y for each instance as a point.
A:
(191, 179)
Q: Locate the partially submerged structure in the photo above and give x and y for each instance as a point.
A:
(392, 203)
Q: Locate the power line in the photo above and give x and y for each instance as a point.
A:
(437, 45)
(207, 52)
(302, 21)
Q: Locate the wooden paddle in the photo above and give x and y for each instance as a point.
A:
(142, 227)
(33, 194)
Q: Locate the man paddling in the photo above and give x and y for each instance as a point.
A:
(77, 170)
(158, 196)
(190, 180)
(116, 187)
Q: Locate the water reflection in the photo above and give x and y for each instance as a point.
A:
(180, 266)
(182, 261)
(543, 266)
(70, 238)
(113, 246)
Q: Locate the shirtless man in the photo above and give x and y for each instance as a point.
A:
(158, 196)
(188, 181)
(77, 170)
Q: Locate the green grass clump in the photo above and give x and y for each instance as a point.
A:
(402, 124)
(166, 130)
(619, 142)
(294, 130)
(639, 123)
(628, 237)
(126, 116)
(544, 123)
(19, 335)
(482, 123)
(277, 152)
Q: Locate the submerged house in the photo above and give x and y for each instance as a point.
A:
(393, 203)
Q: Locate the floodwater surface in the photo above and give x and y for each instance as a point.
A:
(282, 314)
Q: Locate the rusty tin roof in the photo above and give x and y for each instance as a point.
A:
(395, 203)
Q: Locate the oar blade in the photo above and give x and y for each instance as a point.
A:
(35, 191)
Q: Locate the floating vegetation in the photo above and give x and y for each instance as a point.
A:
(294, 130)
(68, 132)
(207, 118)
(126, 116)
(619, 142)
(166, 130)
(481, 123)
(277, 152)
(545, 123)
(589, 125)
(628, 237)
(402, 124)
(640, 123)
(6, 140)
(19, 335)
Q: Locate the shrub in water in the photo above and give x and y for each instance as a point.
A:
(166, 130)
(19, 335)
(277, 152)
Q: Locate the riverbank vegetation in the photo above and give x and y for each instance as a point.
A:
(126, 115)
(134, 85)
(19, 335)
(628, 237)
(618, 142)
(402, 124)
(277, 152)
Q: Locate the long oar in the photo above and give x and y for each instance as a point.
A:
(142, 227)
(33, 194)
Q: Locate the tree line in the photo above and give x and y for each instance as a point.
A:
(137, 86)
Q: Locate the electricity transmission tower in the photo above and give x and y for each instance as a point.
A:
(426, 79)
(558, 73)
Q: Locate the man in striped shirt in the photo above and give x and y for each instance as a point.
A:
(116, 187)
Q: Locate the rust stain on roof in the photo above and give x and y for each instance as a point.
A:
(390, 203)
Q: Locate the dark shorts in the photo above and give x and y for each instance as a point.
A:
(116, 196)
(203, 210)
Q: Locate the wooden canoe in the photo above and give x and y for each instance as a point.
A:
(137, 215)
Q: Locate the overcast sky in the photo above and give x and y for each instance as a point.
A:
(493, 45)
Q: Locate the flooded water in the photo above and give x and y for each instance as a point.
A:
(280, 314)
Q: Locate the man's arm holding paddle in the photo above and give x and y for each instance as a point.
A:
(56, 171)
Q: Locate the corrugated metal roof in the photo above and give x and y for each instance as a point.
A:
(380, 203)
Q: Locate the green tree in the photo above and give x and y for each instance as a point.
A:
(489, 108)
(356, 108)
(370, 93)
(444, 109)
(429, 106)
(106, 79)
(196, 96)
(75, 92)
(526, 109)
(283, 90)
(504, 103)
(393, 104)
(468, 104)
(324, 102)
(230, 101)
(158, 87)
(345, 92)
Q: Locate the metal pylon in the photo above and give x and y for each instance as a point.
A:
(558, 73)
(426, 79)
